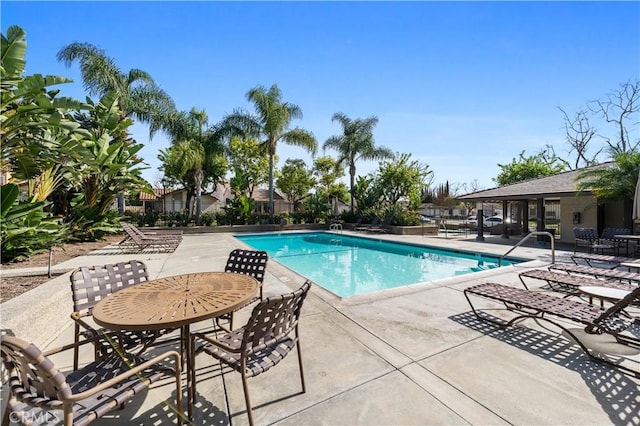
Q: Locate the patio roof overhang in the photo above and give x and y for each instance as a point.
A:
(556, 186)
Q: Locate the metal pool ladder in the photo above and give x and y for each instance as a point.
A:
(526, 237)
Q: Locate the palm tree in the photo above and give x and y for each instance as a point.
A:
(355, 143)
(270, 124)
(139, 95)
(615, 182)
(197, 150)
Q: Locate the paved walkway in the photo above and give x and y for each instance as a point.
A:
(414, 355)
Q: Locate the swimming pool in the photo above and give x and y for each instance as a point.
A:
(348, 265)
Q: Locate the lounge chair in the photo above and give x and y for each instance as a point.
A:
(612, 321)
(603, 258)
(562, 281)
(269, 335)
(384, 226)
(596, 272)
(373, 223)
(247, 262)
(138, 241)
(83, 395)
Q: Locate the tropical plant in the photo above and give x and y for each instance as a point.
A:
(355, 143)
(36, 130)
(112, 167)
(36, 137)
(368, 196)
(317, 207)
(615, 181)
(270, 124)
(25, 229)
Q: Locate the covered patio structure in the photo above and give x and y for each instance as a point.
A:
(549, 203)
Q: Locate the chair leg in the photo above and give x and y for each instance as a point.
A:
(68, 413)
(6, 417)
(304, 388)
(76, 341)
(245, 387)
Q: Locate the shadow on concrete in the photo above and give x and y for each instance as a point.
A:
(617, 394)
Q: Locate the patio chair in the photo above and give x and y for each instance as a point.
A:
(612, 321)
(90, 284)
(138, 241)
(585, 237)
(269, 335)
(247, 262)
(608, 237)
(83, 395)
(571, 268)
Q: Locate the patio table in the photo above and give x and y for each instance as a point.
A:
(176, 302)
(603, 293)
(628, 238)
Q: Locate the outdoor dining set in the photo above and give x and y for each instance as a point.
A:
(122, 316)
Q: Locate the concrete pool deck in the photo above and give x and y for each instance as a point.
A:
(412, 355)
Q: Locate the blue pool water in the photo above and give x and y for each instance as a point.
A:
(347, 265)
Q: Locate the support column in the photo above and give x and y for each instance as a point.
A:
(525, 217)
(540, 220)
(505, 228)
(480, 217)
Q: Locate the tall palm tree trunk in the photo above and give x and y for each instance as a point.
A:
(198, 178)
(272, 154)
(270, 184)
(352, 182)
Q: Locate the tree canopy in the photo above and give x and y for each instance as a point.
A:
(525, 168)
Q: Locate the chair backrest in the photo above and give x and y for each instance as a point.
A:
(386, 222)
(273, 319)
(90, 284)
(248, 262)
(614, 320)
(585, 233)
(33, 378)
(608, 233)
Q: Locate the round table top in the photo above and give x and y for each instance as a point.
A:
(604, 292)
(174, 301)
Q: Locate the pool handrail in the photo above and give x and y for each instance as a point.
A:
(526, 237)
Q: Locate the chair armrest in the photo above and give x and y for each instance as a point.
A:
(215, 342)
(77, 317)
(134, 371)
(66, 347)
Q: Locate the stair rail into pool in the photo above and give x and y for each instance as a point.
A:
(526, 237)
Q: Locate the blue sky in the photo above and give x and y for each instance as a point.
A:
(462, 86)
